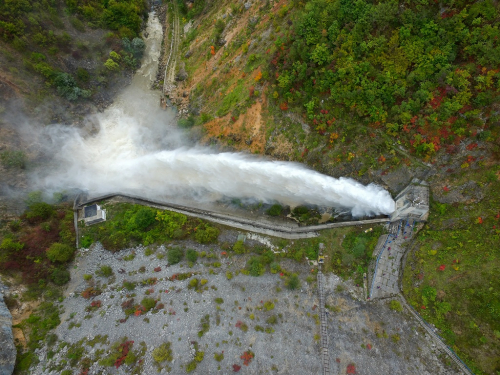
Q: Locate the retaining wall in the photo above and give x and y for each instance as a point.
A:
(292, 232)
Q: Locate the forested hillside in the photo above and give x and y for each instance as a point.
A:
(424, 72)
(71, 49)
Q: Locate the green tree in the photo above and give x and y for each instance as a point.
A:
(60, 253)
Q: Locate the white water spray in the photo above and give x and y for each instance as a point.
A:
(136, 151)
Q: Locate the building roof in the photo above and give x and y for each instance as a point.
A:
(90, 211)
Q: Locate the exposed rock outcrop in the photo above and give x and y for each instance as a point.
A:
(8, 351)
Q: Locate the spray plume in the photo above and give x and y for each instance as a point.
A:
(139, 151)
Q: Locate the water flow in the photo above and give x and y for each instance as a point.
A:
(139, 151)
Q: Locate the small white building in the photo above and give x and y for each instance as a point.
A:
(93, 214)
(412, 202)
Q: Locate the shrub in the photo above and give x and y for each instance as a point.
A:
(186, 122)
(293, 282)
(86, 242)
(272, 320)
(255, 267)
(144, 218)
(148, 303)
(175, 255)
(239, 247)
(219, 300)
(66, 87)
(193, 283)
(60, 276)
(241, 325)
(8, 245)
(199, 356)
(128, 285)
(192, 255)
(115, 56)
(205, 325)
(13, 159)
(111, 65)
(219, 356)
(59, 252)
(121, 353)
(396, 306)
(40, 210)
(275, 210)
(275, 267)
(207, 235)
(104, 271)
(268, 305)
(163, 353)
(15, 225)
(82, 74)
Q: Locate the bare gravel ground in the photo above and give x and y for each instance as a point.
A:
(375, 339)
(290, 345)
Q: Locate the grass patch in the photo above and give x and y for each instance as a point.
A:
(451, 278)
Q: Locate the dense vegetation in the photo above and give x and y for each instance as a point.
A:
(452, 278)
(45, 33)
(39, 245)
(129, 224)
(425, 73)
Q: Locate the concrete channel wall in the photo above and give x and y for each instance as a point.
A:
(275, 230)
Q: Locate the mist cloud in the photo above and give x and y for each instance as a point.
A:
(138, 150)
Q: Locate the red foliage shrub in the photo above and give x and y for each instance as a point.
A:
(139, 310)
(236, 368)
(90, 292)
(441, 267)
(284, 106)
(124, 349)
(472, 146)
(247, 357)
(128, 304)
(157, 269)
(351, 369)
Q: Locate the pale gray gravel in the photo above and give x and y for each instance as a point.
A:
(291, 349)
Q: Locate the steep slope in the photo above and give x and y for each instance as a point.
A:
(379, 91)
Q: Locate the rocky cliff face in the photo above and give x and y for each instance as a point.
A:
(8, 349)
